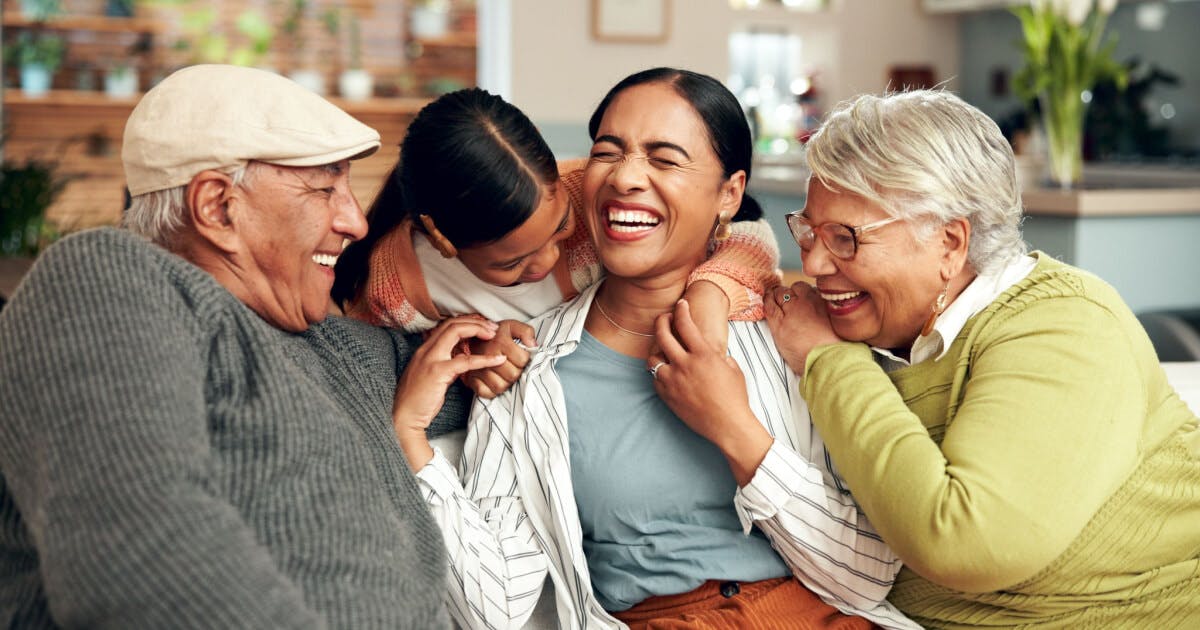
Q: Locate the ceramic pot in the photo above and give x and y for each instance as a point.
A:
(35, 79)
(356, 85)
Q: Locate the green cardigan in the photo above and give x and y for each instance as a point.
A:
(1042, 472)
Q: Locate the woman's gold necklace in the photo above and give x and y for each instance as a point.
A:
(619, 327)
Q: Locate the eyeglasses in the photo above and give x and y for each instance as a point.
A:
(841, 240)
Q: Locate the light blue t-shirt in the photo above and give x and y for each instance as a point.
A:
(655, 499)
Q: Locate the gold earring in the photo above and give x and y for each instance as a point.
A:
(939, 305)
(439, 240)
(724, 230)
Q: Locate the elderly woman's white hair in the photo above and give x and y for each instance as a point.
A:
(162, 214)
(928, 157)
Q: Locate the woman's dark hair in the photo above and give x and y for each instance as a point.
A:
(472, 162)
(728, 131)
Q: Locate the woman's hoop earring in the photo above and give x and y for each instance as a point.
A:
(939, 305)
(439, 240)
(724, 230)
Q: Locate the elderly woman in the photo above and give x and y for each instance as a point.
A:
(1001, 417)
(580, 473)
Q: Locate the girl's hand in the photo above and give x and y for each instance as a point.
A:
(421, 390)
(709, 307)
(706, 389)
(798, 322)
(493, 381)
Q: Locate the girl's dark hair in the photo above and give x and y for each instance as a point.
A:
(472, 162)
(728, 131)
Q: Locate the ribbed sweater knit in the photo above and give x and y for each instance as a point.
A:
(1042, 473)
(395, 295)
(170, 460)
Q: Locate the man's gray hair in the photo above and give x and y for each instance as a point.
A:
(162, 214)
(928, 157)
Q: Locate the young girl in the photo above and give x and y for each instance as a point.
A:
(477, 217)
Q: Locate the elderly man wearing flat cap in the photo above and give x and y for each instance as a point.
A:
(185, 439)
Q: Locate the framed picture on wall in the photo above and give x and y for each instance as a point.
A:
(630, 21)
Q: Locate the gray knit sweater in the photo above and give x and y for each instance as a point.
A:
(168, 459)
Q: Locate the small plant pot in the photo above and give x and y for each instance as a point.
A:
(356, 85)
(430, 23)
(121, 83)
(35, 79)
(310, 79)
(119, 8)
(32, 9)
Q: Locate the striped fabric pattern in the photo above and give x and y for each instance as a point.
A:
(512, 520)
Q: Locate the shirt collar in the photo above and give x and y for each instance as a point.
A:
(983, 290)
(559, 330)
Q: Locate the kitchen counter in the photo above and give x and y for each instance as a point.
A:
(1120, 190)
(1135, 226)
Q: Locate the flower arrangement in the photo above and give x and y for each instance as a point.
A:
(1066, 54)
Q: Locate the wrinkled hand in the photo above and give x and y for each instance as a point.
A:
(705, 388)
(431, 370)
(798, 324)
(493, 381)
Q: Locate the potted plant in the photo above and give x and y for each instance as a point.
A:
(40, 10)
(355, 83)
(121, 80)
(27, 188)
(429, 18)
(1066, 55)
(38, 54)
(293, 31)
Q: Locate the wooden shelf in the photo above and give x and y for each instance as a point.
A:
(451, 40)
(96, 23)
(67, 98)
(14, 97)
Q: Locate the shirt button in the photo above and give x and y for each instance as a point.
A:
(729, 589)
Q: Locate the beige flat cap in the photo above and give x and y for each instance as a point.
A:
(221, 117)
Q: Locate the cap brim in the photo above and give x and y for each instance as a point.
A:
(356, 152)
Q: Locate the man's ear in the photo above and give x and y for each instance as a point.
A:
(956, 238)
(732, 190)
(208, 200)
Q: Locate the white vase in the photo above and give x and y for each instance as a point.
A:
(428, 22)
(310, 79)
(356, 85)
(35, 79)
(121, 82)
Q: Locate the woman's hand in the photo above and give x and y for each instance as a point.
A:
(431, 370)
(798, 322)
(706, 389)
(493, 381)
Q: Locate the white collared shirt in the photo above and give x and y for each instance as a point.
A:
(983, 290)
(511, 520)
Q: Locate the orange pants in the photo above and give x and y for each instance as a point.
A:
(775, 604)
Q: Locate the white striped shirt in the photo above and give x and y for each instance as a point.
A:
(512, 520)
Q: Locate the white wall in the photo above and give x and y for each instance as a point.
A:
(559, 73)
